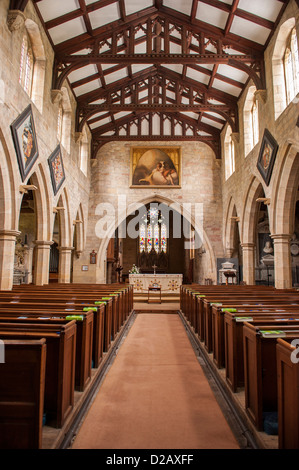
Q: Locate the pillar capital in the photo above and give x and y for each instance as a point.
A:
(66, 248)
(249, 246)
(9, 234)
(43, 243)
(284, 237)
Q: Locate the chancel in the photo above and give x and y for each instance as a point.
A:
(149, 143)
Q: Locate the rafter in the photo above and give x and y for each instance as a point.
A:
(153, 54)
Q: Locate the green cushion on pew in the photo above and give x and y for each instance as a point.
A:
(100, 303)
(85, 309)
(200, 295)
(106, 298)
(74, 317)
(231, 310)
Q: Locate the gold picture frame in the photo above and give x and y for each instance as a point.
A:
(156, 167)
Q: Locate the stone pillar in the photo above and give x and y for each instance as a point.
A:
(248, 253)
(65, 263)
(42, 262)
(282, 261)
(7, 257)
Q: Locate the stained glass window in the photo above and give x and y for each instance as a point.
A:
(156, 238)
(153, 233)
(142, 238)
(149, 242)
(164, 238)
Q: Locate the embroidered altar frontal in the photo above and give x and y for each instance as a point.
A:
(169, 283)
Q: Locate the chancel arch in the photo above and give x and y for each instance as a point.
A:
(202, 245)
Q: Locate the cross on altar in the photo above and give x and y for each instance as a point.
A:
(154, 268)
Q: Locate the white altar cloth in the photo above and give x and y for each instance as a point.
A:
(169, 283)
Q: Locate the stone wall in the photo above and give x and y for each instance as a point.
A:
(200, 184)
(246, 183)
(74, 194)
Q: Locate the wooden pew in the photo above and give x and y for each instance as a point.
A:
(115, 319)
(288, 394)
(218, 326)
(234, 353)
(22, 385)
(84, 337)
(187, 291)
(60, 364)
(68, 308)
(125, 292)
(260, 368)
(196, 309)
(241, 299)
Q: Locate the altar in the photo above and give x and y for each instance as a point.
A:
(169, 283)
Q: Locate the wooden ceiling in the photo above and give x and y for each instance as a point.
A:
(158, 69)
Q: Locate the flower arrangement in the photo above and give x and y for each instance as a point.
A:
(134, 270)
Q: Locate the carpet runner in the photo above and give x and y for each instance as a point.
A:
(155, 395)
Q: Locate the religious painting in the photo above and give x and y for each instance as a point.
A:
(267, 156)
(24, 137)
(56, 169)
(156, 167)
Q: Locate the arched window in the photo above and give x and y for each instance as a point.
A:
(84, 152)
(33, 62)
(291, 67)
(285, 66)
(153, 233)
(64, 121)
(254, 123)
(229, 153)
(251, 120)
(26, 65)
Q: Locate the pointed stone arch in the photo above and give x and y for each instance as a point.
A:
(248, 228)
(285, 196)
(8, 216)
(211, 268)
(8, 209)
(230, 228)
